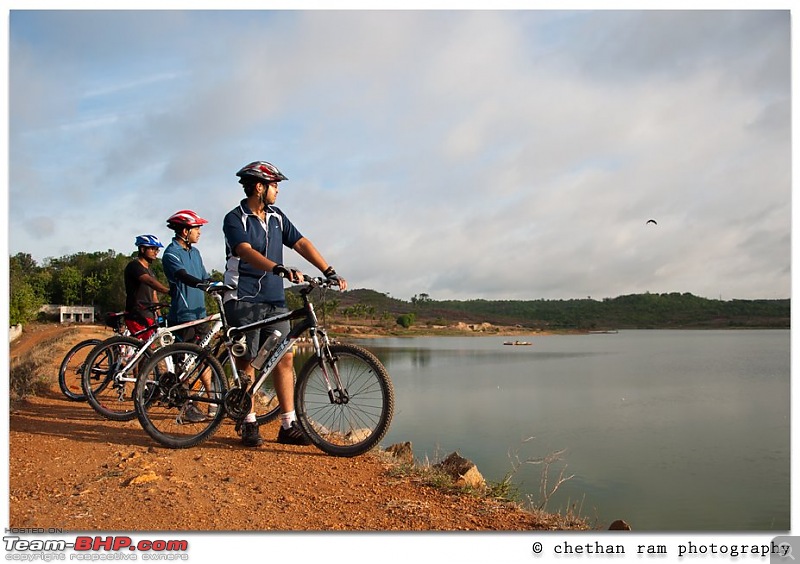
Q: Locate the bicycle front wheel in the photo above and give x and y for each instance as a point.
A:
(70, 372)
(179, 395)
(108, 389)
(350, 421)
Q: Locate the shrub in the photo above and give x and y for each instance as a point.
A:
(406, 320)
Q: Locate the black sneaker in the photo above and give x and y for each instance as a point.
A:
(293, 436)
(250, 436)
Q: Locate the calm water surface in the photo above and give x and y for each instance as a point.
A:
(669, 430)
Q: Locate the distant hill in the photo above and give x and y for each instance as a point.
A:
(96, 279)
(635, 311)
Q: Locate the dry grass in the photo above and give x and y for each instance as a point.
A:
(505, 492)
(30, 374)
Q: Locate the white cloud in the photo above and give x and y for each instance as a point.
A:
(462, 154)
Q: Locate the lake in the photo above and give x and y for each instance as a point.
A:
(669, 430)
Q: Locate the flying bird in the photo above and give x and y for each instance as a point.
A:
(653, 221)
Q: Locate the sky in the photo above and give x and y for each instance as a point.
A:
(461, 153)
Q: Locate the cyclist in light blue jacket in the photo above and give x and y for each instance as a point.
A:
(184, 269)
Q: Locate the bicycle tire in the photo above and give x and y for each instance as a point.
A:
(108, 397)
(162, 397)
(351, 428)
(70, 373)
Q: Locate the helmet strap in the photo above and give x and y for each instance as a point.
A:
(184, 238)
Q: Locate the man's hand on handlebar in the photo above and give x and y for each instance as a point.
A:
(293, 275)
(335, 279)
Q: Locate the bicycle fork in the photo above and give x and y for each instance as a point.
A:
(337, 393)
(121, 370)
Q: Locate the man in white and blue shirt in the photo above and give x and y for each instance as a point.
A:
(255, 233)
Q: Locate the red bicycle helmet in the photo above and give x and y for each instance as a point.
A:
(185, 218)
(262, 170)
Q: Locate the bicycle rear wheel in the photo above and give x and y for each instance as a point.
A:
(265, 400)
(179, 395)
(109, 392)
(350, 422)
(70, 372)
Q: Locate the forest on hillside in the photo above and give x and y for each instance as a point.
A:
(96, 279)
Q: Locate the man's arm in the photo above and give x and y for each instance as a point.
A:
(153, 283)
(306, 249)
(252, 257)
(183, 276)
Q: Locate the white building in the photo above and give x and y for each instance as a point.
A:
(70, 314)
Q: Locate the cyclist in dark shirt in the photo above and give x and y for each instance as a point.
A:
(141, 286)
(255, 234)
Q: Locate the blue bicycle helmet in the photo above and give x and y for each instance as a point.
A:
(148, 241)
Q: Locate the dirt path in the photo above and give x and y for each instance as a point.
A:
(72, 469)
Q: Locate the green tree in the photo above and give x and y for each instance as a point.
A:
(24, 303)
(91, 288)
(68, 281)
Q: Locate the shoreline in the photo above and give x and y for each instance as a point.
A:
(339, 331)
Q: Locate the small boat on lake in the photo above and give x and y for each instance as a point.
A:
(517, 343)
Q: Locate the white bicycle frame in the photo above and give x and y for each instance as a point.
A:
(165, 336)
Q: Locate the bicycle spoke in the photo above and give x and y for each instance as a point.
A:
(107, 387)
(265, 402)
(359, 416)
(179, 395)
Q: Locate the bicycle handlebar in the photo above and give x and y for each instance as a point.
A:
(319, 282)
(312, 281)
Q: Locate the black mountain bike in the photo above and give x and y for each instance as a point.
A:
(344, 397)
